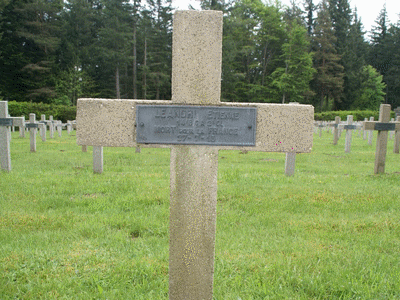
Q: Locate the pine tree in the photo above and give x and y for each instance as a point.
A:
(310, 9)
(328, 82)
(293, 80)
(380, 44)
(354, 60)
(39, 25)
(114, 37)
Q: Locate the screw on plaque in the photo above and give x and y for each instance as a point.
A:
(141, 124)
(249, 127)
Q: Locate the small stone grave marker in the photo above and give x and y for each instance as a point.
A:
(370, 132)
(6, 123)
(349, 127)
(383, 126)
(335, 128)
(396, 138)
(32, 125)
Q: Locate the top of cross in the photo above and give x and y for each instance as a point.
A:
(196, 80)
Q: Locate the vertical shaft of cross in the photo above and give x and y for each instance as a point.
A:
(32, 120)
(370, 133)
(396, 138)
(381, 140)
(196, 79)
(5, 138)
(336, 130)
(43, 128)
(347, 145)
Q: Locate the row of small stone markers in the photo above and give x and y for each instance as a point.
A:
(383, 126)
(338, 127)
(6, 122)
(195, 125)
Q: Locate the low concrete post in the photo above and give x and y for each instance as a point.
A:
(51, 127)
(97, 159)
(290, 163)
(348, 134)
(22, 128)
(5, 138)
(32, 131)
(43, 128)
(391, 133)
(396, 138)
(370, 133)
(336, 130)
(364, 131)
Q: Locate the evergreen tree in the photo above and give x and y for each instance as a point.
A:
(371, 92)
(159, 50)
(310, 9)
(253, 38)
(30, 41)
(294, 78)
(113, 38)
(328, 82)
(392, 75)
(380, 40)
(355, 60)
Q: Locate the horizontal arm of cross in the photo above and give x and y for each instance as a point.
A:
(349, 127)
(12, 121)
(111, 123)
(35, 125)
(375, 125)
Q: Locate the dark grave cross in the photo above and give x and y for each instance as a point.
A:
(382, 126)
(5, 135)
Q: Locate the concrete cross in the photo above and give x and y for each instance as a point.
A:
(42, 129)
(370, 132)
(392, 131)
(195, 125)
(348, 127)
(335, 128)
(383, 126)
(5, 135)
(397, 111)
(32, 125)
(396, 138)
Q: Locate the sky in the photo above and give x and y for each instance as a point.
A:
(368, 10)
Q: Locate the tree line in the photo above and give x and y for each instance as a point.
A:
(55, 51)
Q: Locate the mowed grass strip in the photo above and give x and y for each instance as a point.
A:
(330, 232)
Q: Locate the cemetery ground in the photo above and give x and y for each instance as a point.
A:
(332, 231)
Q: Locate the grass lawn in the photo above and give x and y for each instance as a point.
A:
(330, 232)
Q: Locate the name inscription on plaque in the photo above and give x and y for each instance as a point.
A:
(196, 125)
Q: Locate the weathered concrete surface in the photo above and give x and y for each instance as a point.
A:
(111, 123)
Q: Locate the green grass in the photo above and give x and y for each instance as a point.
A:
(330, 232)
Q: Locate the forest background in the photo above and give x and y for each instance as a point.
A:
(55, 51)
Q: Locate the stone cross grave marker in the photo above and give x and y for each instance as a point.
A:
(22, 128)
(370, 132)
(43, 128)
(397, 111)
(335, 128)
(195, 125)
(396, 138)
(383, 126)
(5, 135)
(33, 127)
(392, 131)
(364, 131)
(51, 123)
(348, 127)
